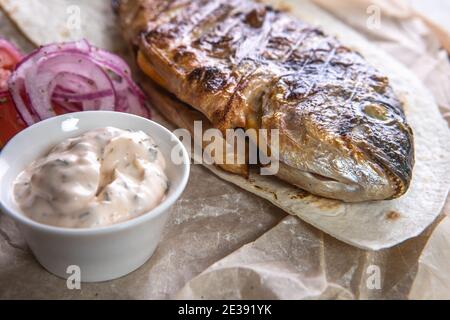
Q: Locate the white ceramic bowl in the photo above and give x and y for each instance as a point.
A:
(102, 253)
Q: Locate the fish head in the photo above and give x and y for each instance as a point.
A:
(340, 138)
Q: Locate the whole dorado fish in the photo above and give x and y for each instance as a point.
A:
(243, 64)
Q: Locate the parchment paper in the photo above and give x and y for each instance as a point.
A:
(221, 242)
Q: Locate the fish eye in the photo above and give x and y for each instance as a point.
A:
(376, 111)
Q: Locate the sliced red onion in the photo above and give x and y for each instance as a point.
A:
(118, 66)
(74, 83)
(54, 69)
(74, 75)
(70, 107)
(77, 97)
(21, 99)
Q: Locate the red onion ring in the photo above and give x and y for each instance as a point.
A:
(70, 107)
(41, 81)
(73, 97)
(21, 99)
(75, 76)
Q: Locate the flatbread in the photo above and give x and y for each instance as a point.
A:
(369, 225)
(46, 21)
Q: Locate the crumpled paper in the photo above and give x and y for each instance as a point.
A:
(432, 265)
(221, 242)
(296, 261)
(433, 276)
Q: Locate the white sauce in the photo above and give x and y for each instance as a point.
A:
(102, 177)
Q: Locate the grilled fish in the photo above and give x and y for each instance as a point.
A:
(243, 64)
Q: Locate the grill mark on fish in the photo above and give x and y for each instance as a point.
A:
(250, 44)
(302, 38)
(254, 55)
(239, 87)
(220, 13)
(355, 89)
(260, 40)
(180, 16)
(205, 13)
(166, 6)
(321, 71)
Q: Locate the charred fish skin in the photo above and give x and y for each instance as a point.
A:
(343, 132)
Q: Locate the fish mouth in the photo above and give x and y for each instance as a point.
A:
(337, 187)
(336, 169)
(332, 171)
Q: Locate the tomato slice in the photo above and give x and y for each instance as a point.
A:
(7, 59)
(4, 75)
(10, 121)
